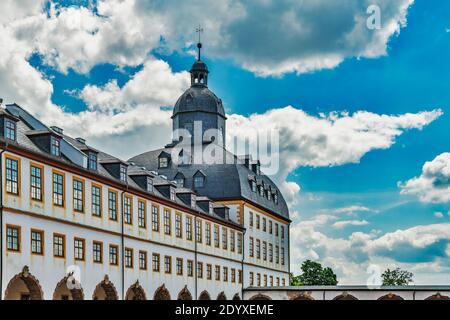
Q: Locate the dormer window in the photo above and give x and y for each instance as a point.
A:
(55, 146)
(199, 181)
(163, 162)
(123, 173)
(172, 194)
(92, 161)
(193, 200)
(10, 130)
(269, 197)
(179, 179)
(149, 184)
(261, 191)
(275, 197)
(253, 185)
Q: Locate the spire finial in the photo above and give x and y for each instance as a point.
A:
(199, 30)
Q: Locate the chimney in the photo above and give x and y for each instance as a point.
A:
(57, 129)
(81, 140)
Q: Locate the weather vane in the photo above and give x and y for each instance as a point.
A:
(199, 30)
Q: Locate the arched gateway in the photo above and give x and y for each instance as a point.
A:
(24, 286)
(105, 290)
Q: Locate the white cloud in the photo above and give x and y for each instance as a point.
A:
(351, 210)
(439, 215)
(346, 223)
(433, 185)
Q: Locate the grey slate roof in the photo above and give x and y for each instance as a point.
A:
(199, 98)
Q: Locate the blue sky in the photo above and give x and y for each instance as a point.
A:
(407, 73)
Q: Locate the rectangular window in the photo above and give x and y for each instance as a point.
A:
(78, 195)
(55, 146)
(282, 256)
(58, 189)
(271, 281)
(276, 229)
(155, 262)
(251, 219)
(239, 215)
(199, 230)
(163, 162)
(79, 249)
(113, 255)
(278, 281)
(264, 227)
(239, 243)
(277, 255)
(258, 249)
(208, 233)
(143, 260)
(155, 218)
(10, 130)
(167, 222)
(92, 161)
(283, 282)
(239, 276)
(112, 205)
(270, 227)
(149, 185)
(190, 268)
(36, 183)
(128, 257)
(179, 266)
(224, 238)
(264, 250)
(167, 264)
(233, 275)
(251, 278)
(265, 280)
(59, 245)
(257, 222)
(96, 201)
(127, 210)
(225, 274)
(97, 252)
(232, 240)
(208, 271)
(216, 236)
(12, 176)
(142, 214)
(178, 227)
(258, 279)
(282, 232)
(188, 228)
(217, 273)
(37, 242)
(199, 182)
(123, 173)
(250, 247)
(270, 252)
(199, 270)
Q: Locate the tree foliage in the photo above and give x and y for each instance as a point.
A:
(313, 274)
(397, 277)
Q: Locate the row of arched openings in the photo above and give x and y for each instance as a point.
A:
(346, 296)
(24, 286)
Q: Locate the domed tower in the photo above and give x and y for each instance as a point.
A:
(199, 110)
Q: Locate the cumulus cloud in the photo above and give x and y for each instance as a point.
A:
(351, 210)
(346, 223)
(433, 185)
(438, 215)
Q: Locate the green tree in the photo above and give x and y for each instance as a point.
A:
(397, 277)
(313, 274)
(295, 281)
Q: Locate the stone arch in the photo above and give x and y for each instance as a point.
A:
(390, 296)
(135, 292)
(345, 296)
(221, 296)
(236, 297)
(204, 295)
(260, 296)
(438, 296)
(184, 294)
(62, 292)
(105, 290)
(24, 286)
(302, 296)
(161, 293)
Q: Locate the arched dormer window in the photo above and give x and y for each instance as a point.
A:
(179, 179)
(199, 180)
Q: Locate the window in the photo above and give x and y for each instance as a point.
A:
(270, 252)
(208, 271)
(128, 257)
(251, 219)
(239, 215)
(199, 181)
(240, 276)
(283, 282)
(36, 183)
(92, 161)
(258, 249)
(142, 221)
(271, 281)
(188, 228)
(270, 227)
(199, 270)
(155, 262)
(265, 280)
(257, 222)
(167, 264)
(216, 236)
(278, 281)
(163, 162)
(250, 247)
(59, 245)
(179, 266)
(208, 233)
(12, 176)
(58, 189)
(155, 218)
(167, 228)
(265, 251)
(251, 278)
(190, 268)
(253, 185)
(282, 256)
(269, 195)
(37, 242)
(224, 238)
(97, 252)
(239, 243)
(10, 130)
(258, 279)
(143, 260)
(275, 198)
(178, 227)
(276, 229)
(127, 210)
(217, 273)
(261, 191)
(96, 201)
(55, 146)
(78, 197)
(198, 224)
(233, 275)
(232, 241)
(112, 205)
(282, 232)
(277, 255)
(180, 181)
(225, 274)
(264, 227)
(172, 194)
(149, 184)
(113, 255)
(123, 173)
(79, 249)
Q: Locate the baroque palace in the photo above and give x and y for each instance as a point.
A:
(77, 223)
